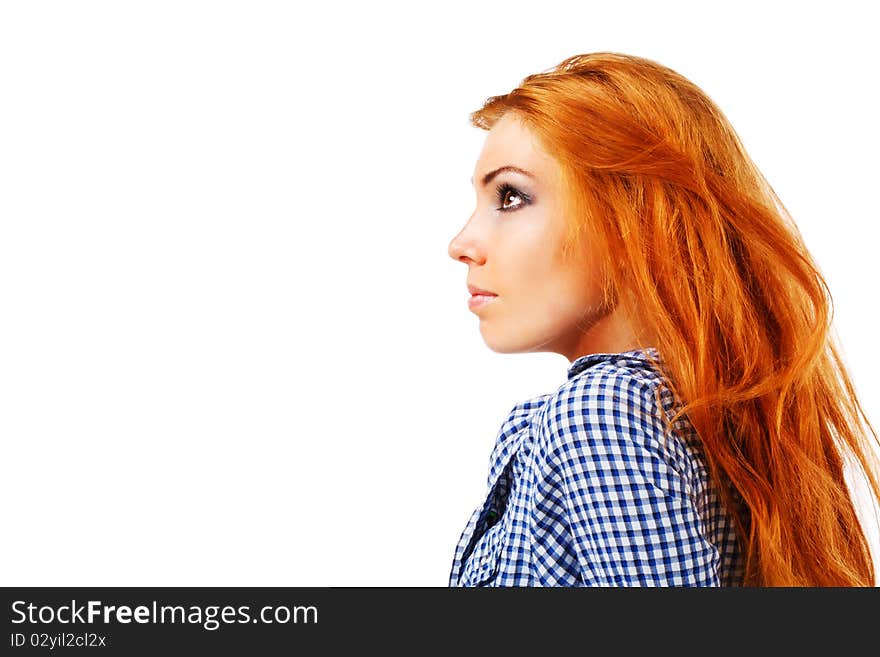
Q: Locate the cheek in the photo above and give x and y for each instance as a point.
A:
(561, 309)
(538, 279)
(571, 294)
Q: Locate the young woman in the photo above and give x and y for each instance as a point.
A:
(705, 426)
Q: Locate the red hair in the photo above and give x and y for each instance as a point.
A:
(657, 180)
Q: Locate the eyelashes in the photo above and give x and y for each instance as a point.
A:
(504, 190)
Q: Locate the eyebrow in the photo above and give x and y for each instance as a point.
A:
(509, 167)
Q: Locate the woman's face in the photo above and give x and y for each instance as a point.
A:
(512, 246)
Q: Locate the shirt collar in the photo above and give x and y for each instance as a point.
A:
(582, 363)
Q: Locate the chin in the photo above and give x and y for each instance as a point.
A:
(495, 344)
(502, 350)
(513, 345)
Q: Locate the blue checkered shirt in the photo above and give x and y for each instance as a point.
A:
(583, 491)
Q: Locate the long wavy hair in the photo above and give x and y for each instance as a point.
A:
(698, 247)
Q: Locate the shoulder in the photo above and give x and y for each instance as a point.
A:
(524, 411)
(512, 431)
(609, 419)
(516, 424)
(612, 391)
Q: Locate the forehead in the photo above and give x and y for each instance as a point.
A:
(511, 142)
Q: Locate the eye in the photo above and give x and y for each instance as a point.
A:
(504, 191)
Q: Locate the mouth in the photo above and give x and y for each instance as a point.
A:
(478, 291)
(477, 301)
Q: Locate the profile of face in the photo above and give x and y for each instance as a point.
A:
(512, 246)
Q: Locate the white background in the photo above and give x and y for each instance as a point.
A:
(233, 348)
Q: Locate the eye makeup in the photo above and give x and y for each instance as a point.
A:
(503, 190)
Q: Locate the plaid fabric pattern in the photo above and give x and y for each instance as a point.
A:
(584, 491)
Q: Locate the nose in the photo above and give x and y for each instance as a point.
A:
(464, 247)
(454, 248)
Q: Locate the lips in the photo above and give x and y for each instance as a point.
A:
(478, 291)
(478, 301)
